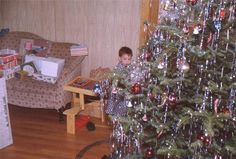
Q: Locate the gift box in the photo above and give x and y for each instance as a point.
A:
(49, 66)
(52, 66)
(7, 65)
(78, 50)
(10, 72)
(7, 60)
(36, 60)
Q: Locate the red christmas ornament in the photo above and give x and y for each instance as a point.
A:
(225, 111)
(136, 88)
(222, 13)
(147, 56)
(172, 98)
(200, 137)
(191, 2)
(205, 139)
(149, 153)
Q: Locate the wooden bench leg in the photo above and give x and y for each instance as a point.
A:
(70, 124)
(81, 100)
(75, 100)
(70, 119)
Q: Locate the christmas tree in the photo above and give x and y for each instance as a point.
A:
(181, 91)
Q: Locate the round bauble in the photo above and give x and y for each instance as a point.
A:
(160, 64)
(172, 99)
(217, 24)
(197, 29)
(226, 111)
(147, 56)
(97, 88)
(206, 140)
(136, 88)
(191, 2)
(222, 13)
(149, 153)
(183, 65)
(200, 137)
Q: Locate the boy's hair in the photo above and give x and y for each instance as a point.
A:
(125, 50)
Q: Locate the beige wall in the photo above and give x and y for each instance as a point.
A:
(104, 25)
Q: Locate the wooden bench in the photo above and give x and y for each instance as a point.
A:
(70, 119)
(78, 101)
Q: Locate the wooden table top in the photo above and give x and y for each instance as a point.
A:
(82, 85)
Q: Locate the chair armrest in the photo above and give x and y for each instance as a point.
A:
(70, 70)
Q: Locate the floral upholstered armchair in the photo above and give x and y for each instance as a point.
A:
(38, 94)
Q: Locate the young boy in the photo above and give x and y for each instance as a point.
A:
(116, 104)
(125, 56)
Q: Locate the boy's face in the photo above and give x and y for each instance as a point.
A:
(125, 59)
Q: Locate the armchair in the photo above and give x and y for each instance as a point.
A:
(38, 94)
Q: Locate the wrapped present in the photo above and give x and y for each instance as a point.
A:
(9, 64)
(10, 72)
(36, 60)
(48, 66)
(78, 50)
(52, 66)
(5, 58)
(9, 57)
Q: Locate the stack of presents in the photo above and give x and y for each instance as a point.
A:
(33, 60)
(8, 63)
(79, 50)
